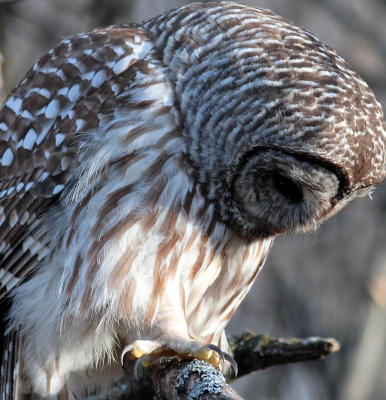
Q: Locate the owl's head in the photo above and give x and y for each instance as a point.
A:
(280, 129)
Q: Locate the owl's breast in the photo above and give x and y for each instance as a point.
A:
(223, 280)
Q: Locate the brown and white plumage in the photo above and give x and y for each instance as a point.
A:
(145, 170)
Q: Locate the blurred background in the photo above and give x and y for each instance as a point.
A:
(328, 283)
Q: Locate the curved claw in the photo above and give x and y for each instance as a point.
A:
(137, 365)
(124, 352)
(218, 351)
(232, 362)
(224, 356)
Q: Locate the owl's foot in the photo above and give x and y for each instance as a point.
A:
(149, 352)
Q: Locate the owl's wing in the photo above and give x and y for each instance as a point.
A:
(77, 86)
(72, 89)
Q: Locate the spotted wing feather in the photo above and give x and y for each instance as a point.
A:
(66, 93)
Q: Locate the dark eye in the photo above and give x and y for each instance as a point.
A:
(288, 188)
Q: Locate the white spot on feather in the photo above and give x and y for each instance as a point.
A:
(26, 114)
(57, 189)
(45, 93)
(59, 139)
(28, 186)
(7, 158)
(43, 176)
(60, 74)
(29, 139)
(80, 123)
(142, 48)
(98, 78)
(63, 91)
(74, 93)
(123, 64)
(14, 104)
(52, 109)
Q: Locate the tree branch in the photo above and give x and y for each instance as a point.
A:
(190, 380)
(255, 352)
(193, 379)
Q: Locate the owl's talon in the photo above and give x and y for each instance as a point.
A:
(123, 354)
(218, 351)
(126, 351)
(232, 362)
(223, 357)
(146, 353)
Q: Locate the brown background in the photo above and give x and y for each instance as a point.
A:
(329, 283)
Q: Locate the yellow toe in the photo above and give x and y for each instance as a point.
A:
(149, 353)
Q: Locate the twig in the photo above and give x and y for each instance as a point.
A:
(256, 352)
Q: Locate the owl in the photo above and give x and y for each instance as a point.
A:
(145, 171)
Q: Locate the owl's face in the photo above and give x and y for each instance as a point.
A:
(274, 191)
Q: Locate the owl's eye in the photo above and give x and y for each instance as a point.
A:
(288, 188)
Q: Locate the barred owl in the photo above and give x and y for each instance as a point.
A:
(146, 170)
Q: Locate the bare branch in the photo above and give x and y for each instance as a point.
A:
(256, 352)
